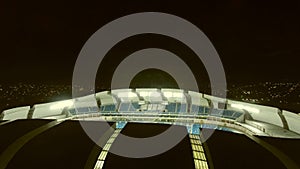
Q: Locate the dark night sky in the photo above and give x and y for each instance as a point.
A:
(257, 41)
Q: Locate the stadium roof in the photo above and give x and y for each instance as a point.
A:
(52, 133)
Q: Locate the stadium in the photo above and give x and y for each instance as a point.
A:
(244, 135)
(117, 85)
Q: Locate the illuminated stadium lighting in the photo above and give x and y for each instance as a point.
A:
(168, 94)
(180, 95)
(243, 107)
(165, 103)
(143, 94)
(149, 94)
(173, 94)
(142, 102)
(127, 94)
(150, 114)
(62, 104)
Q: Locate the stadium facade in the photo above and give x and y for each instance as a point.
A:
(245, 135)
